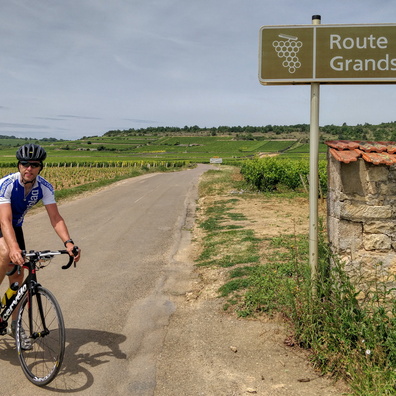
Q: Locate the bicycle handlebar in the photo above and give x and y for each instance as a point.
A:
(43, 254)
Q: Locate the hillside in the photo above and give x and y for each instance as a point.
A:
(195, 144)
(383, 131)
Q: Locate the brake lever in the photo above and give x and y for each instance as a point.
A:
(71, 259)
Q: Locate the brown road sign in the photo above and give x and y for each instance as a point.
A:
(332, 54)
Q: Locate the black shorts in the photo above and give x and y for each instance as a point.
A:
(19, 237)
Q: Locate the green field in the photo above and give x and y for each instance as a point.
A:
(157, 148)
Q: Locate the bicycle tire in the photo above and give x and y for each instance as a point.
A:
(43, 361)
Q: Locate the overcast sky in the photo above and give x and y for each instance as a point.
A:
(74, 68)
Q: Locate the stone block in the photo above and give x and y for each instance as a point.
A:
(380, 227)
(350, 236)
(377, 242)
(371, 188)
(387, 189)
(333, 173)
(333, 231)
(360, 212)
(344, 235)
(377, 173)
(333, 204)
(352, 182)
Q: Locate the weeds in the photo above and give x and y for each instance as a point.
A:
(346, 338)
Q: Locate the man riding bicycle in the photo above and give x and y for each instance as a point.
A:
(18, 193)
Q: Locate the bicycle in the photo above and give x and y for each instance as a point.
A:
(40, 330)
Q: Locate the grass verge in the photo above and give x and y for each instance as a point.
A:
(347, 339)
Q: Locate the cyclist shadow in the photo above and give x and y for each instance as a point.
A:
(8, 350)
(74, 376)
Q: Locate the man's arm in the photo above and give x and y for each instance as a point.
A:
(9, 234)
(60, 227)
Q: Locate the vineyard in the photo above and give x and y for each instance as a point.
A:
(70, 175)
(159, 148)
(271, 174)
(267, 165)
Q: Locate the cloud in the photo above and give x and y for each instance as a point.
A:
(78, 117)
(138, 121)
(22, 126)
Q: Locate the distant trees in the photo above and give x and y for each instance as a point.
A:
(381, 132)
(220, 130)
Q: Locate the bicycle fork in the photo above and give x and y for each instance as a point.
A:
(44, 330)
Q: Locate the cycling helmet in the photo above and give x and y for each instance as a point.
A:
(31, 152)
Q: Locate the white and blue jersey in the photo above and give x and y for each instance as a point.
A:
(12, 191)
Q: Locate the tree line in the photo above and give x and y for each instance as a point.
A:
(381, 132)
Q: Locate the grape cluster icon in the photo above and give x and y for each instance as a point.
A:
(288, 49)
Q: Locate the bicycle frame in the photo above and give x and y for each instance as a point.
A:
(29, 285)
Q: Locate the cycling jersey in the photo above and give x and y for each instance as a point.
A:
(13, 191)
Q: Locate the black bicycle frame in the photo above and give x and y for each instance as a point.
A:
(28, 286)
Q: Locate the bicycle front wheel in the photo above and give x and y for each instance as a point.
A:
(40, 336)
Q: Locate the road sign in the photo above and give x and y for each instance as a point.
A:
(332, 54)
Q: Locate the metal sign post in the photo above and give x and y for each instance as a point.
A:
(314, 177)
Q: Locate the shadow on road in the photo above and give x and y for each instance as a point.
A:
(81, 356)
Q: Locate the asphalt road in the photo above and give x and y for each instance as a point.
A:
(116, 302)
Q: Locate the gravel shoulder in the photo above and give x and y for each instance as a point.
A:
(209, 352)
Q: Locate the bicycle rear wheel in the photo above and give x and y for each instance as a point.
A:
(40, 319)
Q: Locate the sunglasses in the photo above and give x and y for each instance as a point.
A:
(26, 164)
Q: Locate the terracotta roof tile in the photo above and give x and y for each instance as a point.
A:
(391, 147)
(375, 152)
(380, 158)
(346, 156)
(343, 144)
(375, 147)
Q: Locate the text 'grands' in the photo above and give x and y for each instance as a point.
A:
(344, 63)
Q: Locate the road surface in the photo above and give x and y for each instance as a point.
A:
(116, 302)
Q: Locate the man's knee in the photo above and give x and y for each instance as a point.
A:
(4, 253)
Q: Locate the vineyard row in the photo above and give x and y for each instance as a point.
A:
(107, 164)
(69, 175)
(271, 174)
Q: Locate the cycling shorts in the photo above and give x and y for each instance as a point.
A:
(19, 237)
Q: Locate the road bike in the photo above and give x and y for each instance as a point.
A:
(40, 330)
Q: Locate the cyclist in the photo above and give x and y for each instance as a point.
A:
(18, 193)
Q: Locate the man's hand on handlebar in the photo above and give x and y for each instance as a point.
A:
(73, 251)
(16, 257)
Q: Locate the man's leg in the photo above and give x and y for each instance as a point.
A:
(18, 277)
(4, 259)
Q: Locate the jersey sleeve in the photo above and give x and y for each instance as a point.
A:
(48, 192)
(6, 185)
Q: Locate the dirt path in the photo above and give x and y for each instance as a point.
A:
(208, 352)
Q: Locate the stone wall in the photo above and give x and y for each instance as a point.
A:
(361, 222)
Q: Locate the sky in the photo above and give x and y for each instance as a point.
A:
(75, 68)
